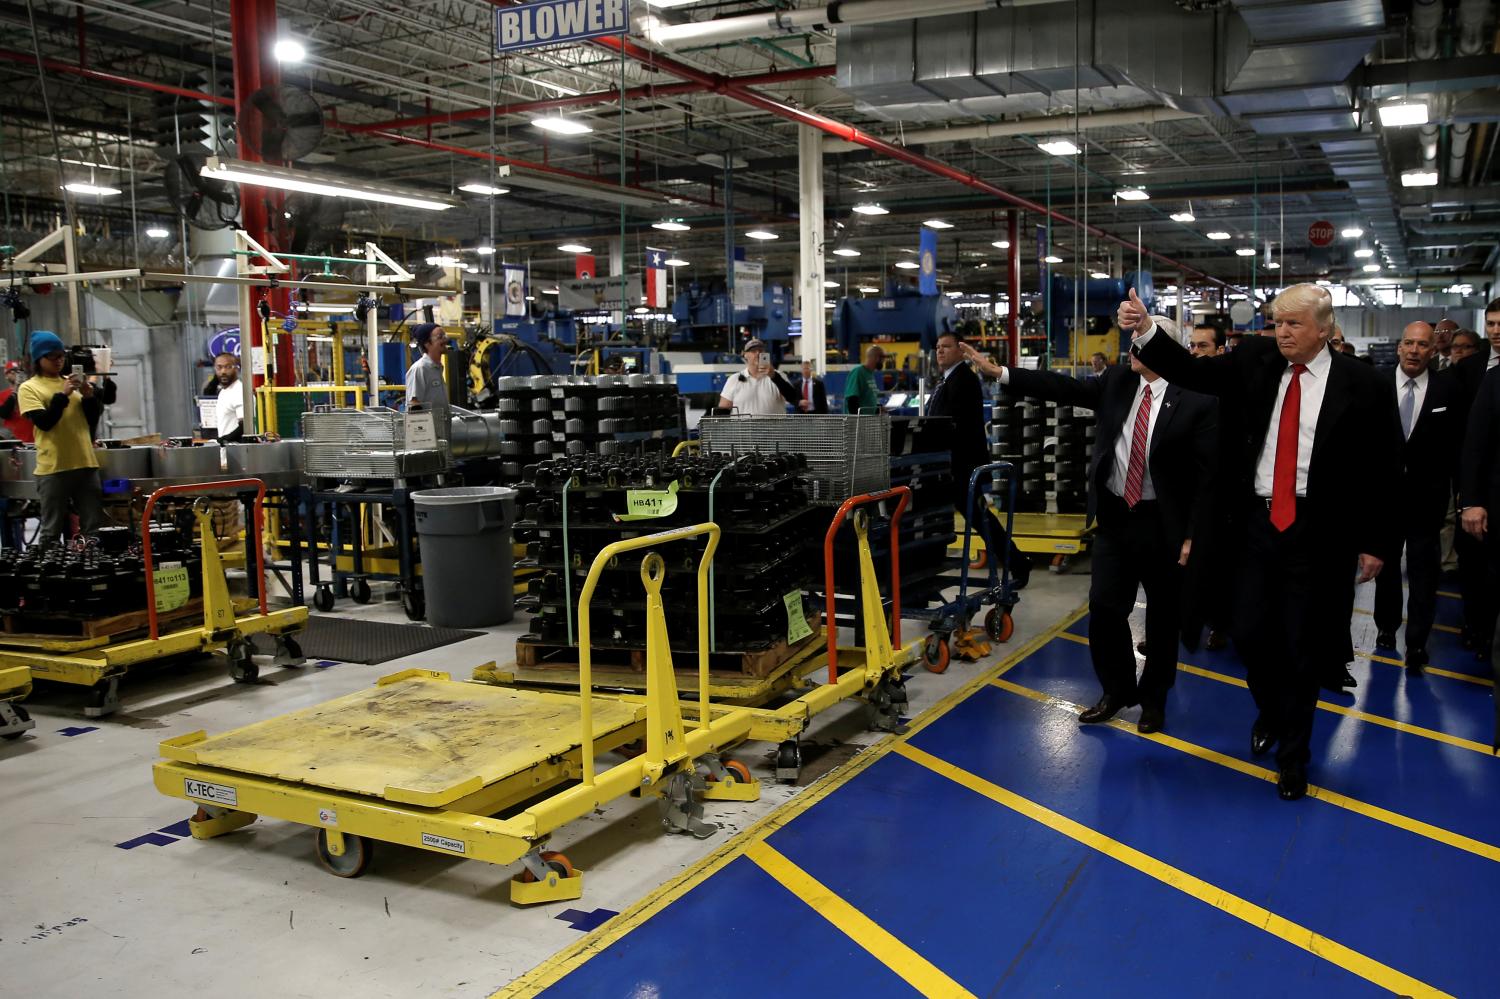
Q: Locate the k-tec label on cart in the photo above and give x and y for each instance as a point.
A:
(444, 843)
(171, 587)
(645, 504)
(219, 794)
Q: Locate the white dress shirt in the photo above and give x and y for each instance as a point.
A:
(1121, 471)
(754, 395)
(1401, 379)
(229, 408)
(1314, 385)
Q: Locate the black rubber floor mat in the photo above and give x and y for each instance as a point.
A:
(369, 642)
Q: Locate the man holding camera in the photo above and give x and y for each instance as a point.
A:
(759, 390)
(64, 407)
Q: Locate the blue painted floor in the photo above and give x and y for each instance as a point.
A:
(1073, 860)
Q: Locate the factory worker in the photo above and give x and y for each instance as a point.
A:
(759, 390)
(65, 411)
(425, 389)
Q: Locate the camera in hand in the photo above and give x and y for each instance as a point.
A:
(78, 358)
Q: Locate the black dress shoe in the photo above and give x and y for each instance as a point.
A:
(1291, 783)
(1347, 678)
(1261, 741)
(1216, 641)
(1416, 661)
(1385, 640)
(1106, 709)
(1152, 720)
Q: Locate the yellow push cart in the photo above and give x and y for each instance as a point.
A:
(15, 684)
(426, 761)
(99, 662)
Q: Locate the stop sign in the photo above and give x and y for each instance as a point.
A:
(1320, 233)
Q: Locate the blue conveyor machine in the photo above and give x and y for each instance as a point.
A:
(1101, 299)
(901, 313)
(704, 313)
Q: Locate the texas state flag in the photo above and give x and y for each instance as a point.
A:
(656, 278)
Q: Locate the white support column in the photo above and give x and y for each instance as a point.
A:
(372, 328)
(617, 270)
(810, 261)
(75, 307)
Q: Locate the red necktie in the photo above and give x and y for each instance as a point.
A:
(1288, 432)
(1135, 475)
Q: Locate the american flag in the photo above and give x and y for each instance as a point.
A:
(656, 278)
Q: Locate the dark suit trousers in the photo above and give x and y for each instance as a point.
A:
(1130, 551)
(988, 528)
(1424, 564)
(1475, 583)
(1283, 632)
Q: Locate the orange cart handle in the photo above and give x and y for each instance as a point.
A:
(202, 487)
(839, 517)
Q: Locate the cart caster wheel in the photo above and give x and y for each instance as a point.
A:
(323, 599)
(242, 667)
(981, 561)
(359, 591)
(104, 699)
(349, 864)
(21, 717)
(935, 654)
(557, 861)
(999, 625)
(789, 762)
(737, 772)
(415, 605)
(289, 653)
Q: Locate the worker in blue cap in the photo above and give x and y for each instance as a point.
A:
(64, 407)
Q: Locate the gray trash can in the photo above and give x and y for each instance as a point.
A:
(468, 568)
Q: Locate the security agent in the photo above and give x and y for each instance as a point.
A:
(65, 410)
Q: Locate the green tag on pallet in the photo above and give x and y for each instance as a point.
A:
(797, 627)
(171, 588)
(646, 504)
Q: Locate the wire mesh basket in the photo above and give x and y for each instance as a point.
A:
(367, 444)
(846, 455)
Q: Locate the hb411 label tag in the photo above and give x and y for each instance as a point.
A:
(797, 627)
(645, 504)
(171, 587)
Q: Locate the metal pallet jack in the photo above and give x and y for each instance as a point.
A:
(428, 762)
(951, 621)
(99, 663)
(15, 684)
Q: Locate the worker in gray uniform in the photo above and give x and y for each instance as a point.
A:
(425, 389)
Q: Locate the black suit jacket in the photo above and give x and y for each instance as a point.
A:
(1350, 506)
(1429, 457)
(960, 397)
(820, 395)
(1479, 472)
(1181, 459)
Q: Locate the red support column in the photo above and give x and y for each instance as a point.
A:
(1013, 282)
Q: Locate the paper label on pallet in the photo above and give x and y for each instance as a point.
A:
(328, 817)
(797, 627)
(421, 432)
(171, 587)
(646, 504)
(219, 794)
(444, 843)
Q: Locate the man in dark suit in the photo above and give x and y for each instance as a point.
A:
(1470, 364)
(1479, 496)
(1150, 490)
(1321, 435)
(812, 397)
(1427, 404)
(959, 396)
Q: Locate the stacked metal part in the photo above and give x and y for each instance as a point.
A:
(767, 556)
(920, 460)
(1017, 436)
(105, 575)
(1065, 457)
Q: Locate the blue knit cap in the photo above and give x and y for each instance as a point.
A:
(44, 342)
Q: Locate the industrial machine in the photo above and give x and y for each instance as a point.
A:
(1079, 337)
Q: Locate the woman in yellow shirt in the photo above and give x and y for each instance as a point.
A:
(65, 412)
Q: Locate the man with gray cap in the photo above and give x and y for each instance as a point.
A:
(425, 389)
(759, 390)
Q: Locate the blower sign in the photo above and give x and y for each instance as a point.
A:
(553, 22)
(1320, 233)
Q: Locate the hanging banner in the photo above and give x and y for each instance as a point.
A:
(927, 282)
(749, 284)
(599, 294)
(656, 278)
(515, 290)
(558, 22)
(584, 266)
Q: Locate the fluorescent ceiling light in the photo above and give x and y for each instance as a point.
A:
(486, 189)
(1052, 258)
(1419, 178)
(641, 310)
(1058, 147)
(830, 284)
(328, 309)
(78, 187)
(671, 225)
(866, 289)
(1273, 266)
(157, 232)
(1132, 194)
(1099, 275)
(938, 224)
(1371, 268)
(1352, 232)
(1364, 251)
(444, 261)
(846, 251)
(561, 126)
(675, 262)
(1183, 217)
(954, 294)
(549, 291)
(575, 248)
(1218, 234)
(531, 298)
(1245, 251)
(484, 251)
(289, 50)
(761, 234)
(870, 209)
(285, 179)
(1001, 244)
(907, 265)
(1403, 113)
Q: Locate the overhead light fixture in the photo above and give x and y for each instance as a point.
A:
(327, 308)
(1218, 234)
(1052, 258)
(1273, 266)
(1323, 283)
(1245, 251)
(907, 265)
(286, 179)
(1132, 194)
(1351, 232)
(1403, 113)
(1183, 217)
(486, 189)
(1420, 177)
(866, 289)
(549, 291)
(830, 284)
(1371, 268)
(157, 232)
(1058, 147)
(484, 251)
(675, 262)
(938, 224)
(1099, 275)
(869, 208)
(671, 225)
(575, 248)
(289, 50)
(761, 234)
(78, 187)
(1001, 244)
(845, 251)
(444, 261)
(1365, 251)
(560, 125)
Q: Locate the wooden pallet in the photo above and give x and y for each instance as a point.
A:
(755, 662)
(23, 625)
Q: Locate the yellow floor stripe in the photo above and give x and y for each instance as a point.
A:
(1338, 709)
(1450, 594)
(1436, 627)
(1433, 670)
(1417, 826)
(1261, 918)
(918, 972)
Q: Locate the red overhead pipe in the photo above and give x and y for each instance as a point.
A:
(53, 66)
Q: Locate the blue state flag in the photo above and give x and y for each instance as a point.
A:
(927, 283)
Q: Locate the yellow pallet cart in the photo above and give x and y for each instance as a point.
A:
(15, 684)
(427, 762)
(872, 672)
(99, 663)
(1058, 536)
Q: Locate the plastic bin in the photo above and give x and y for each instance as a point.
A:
(468, 567)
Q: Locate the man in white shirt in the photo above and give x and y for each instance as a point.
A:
(759, 390)
(229, 404)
